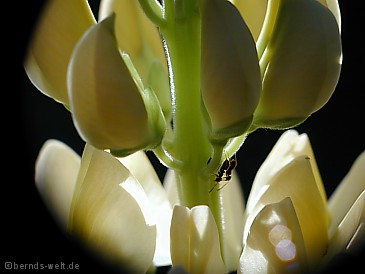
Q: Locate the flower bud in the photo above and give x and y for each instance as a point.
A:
(230, 73)
(300, 59)
(52, 44)
(140, 38)
(110, 107)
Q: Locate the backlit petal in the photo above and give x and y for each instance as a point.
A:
(296, 181)
(140, 39)
(169, 183)
(56, 172)
(195, 241)
(231, 204)
(275, 243)
(52, 44)
(135, 34)
(107, 107)
(349, 236)
(350, 187)
(110, 213)
(289, 146)
(139, 165)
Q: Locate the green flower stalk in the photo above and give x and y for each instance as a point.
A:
(190, 80)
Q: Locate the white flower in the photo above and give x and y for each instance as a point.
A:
(120, 209)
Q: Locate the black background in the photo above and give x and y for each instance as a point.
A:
(28, 118)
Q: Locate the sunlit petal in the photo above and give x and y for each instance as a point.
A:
(141, 168)
(107, 107)
(350, 234)
(275, 243)
(350, 187)
(52, 44)
(296, 180)
(56, 172)
(170, 186)
(135, 33)
(139, 37)
(195, 241)
(231, 204)
(110, 212)
(289, 146)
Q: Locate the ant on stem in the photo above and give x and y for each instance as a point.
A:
(225, 171)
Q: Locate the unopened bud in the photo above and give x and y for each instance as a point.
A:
(230, 72)
(109, 105)
(300, 59)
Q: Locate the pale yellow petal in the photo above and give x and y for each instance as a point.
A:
(275, 243)
(109, 213)
(140, 166)
(61, 25)
(195, 241)
(56, 171)
(169, 183)
(253, 12)
(296, 181)
(107, 107)
(231, 204)
(135, 34)
(289, 146)
(349, 236)
(347, 192)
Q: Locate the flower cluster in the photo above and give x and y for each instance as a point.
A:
(190, 80)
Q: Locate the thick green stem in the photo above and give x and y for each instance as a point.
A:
(190, 144)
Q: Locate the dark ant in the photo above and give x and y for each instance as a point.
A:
(225, 171)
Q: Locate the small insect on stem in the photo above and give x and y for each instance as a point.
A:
(225, 172)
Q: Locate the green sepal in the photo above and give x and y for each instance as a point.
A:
(277, 124)
(221, 136)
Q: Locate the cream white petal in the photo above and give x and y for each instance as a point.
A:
(296, 180)
(195, 241)
(107, 107)
(52, 44)
(56, 172)
(350, 187)
(135, 33)
(350, 233)
(275, 243)
(289, 146)
(110, 213)
(253, 12)
(231, 203)
(140, 166)
(169, 183)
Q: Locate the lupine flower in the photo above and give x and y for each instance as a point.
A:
(190, 81)
(111, 204)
